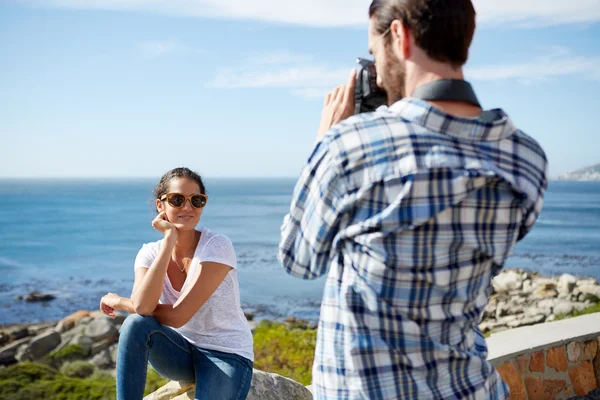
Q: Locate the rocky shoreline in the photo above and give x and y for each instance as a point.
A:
(519, 298)
(522, 298)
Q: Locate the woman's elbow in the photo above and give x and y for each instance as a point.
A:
(143, 309)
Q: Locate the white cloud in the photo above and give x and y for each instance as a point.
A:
(299, 73)
(308, 79)
(153, 49)
(342, 12)
(559, 62)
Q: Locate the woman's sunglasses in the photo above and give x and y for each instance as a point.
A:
(178, 200)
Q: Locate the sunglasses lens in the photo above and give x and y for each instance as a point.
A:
(198, 201)
(176, 199)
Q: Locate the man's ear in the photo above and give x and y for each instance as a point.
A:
(402, 39)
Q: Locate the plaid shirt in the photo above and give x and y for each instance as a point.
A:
(413, 211)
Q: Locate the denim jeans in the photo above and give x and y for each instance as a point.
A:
(218, 375)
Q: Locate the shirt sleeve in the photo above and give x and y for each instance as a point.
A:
(534, 211)
(219, 249)
(145, 256)
(308, 231)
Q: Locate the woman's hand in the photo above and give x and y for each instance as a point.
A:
(162, 224)
(109, 304)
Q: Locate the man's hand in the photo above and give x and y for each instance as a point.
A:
(339, 105)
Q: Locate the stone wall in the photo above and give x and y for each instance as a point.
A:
(559, 360)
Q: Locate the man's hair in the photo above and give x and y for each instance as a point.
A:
(442, 28)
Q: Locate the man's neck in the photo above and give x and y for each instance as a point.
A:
(417, 76)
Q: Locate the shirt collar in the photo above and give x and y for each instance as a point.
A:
(491, 125)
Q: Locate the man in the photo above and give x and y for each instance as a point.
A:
(413, 209)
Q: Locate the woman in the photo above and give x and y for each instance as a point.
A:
(186, 318)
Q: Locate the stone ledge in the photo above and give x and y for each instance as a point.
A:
(507, 344)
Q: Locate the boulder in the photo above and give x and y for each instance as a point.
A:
(39, 346)
(566, 284)
(18, 332)
(37, 296)
(102, 328)
(507, 281)
(265, 386)
(102, 360)
(8, 352)
(84, 341)
(563, 308)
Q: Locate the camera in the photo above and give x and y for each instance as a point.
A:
(367, 95)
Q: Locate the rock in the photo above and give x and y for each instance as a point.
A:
(84, 321)
(249, 316)
(84, 341)
(580, 306)
(173, 390)
(507, 281)
(4, 338)
(8, 352)
(114, 351)
(102, 359)
(23, 354)
(566, 284)
(545, 293)
(527, 287)
(541, 284)
(41, 345)
(290, 320)
(536, 319)
(265, 386)
(119, 318)
(37, 296)
(102, 328)
(563, 308)
(35, 330)
(19, 332)
(97, 314)
(593, 290)
(101, 345)
(502, 310)
(64, 325)
(69, 322)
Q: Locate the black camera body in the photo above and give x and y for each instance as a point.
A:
(367, 95)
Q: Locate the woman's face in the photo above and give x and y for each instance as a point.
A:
(185, 217)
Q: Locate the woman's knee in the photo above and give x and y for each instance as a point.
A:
(138, 324)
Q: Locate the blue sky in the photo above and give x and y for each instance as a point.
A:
(231, 88)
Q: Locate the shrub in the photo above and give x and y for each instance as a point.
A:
(72, 352)
(285, 351)
(77, 369)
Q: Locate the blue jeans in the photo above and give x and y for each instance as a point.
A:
(218, 375)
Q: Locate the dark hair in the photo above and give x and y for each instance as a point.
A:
(442, 28)
(163, 186)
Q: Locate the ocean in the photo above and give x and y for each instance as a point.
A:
(77, 239)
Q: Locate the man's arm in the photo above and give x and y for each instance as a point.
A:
(308, 231)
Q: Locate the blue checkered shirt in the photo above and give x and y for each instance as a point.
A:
(412, 211)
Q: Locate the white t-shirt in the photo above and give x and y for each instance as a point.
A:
(220, 323)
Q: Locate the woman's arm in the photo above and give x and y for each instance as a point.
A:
(207, 279)
(148, 283)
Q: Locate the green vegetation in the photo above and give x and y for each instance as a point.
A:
(72, 352)
(590, 310)
(287, 351)
(28, 380)
(77, 369)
